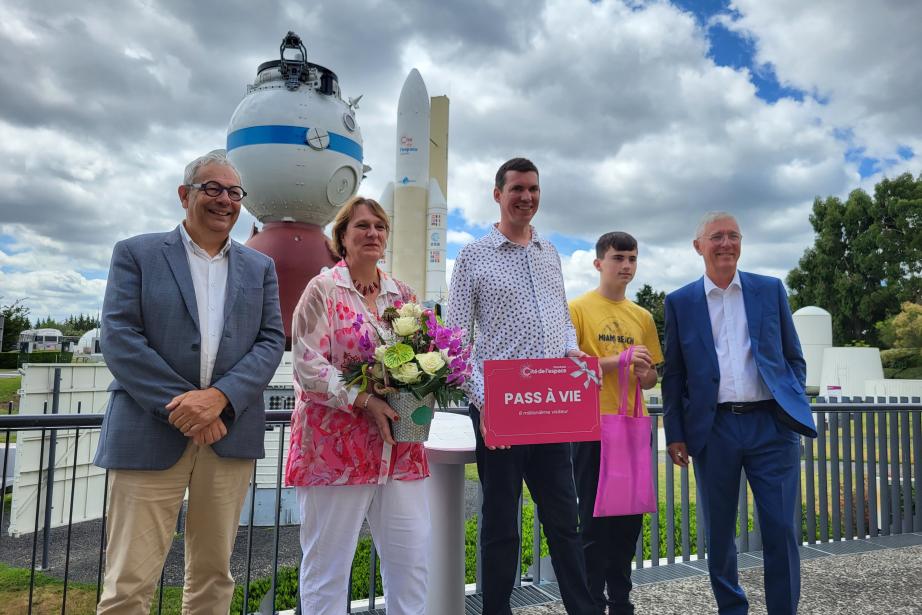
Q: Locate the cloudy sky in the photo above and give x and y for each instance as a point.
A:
(640, 115)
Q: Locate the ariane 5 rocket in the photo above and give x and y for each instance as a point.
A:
(415, 200)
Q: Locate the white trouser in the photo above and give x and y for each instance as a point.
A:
(331, 518)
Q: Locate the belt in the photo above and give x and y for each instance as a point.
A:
(745, 407)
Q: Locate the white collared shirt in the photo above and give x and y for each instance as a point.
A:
(209, 279)
(739, 375)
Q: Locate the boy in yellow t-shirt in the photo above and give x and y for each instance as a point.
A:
(606, 324)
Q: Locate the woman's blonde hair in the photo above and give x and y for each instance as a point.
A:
(344, 216)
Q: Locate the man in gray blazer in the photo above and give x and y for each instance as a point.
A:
(192, 332)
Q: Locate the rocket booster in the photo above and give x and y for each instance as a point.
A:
(416, 251)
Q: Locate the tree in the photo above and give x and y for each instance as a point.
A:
(903, 330)
(866, 259)
(78, 325)
(653, 302)
(16, 320)
(47, 323)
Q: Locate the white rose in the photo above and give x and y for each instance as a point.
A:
(405, 325)
(379, 353)
(430, 362)
(410, 310)
(408, 373)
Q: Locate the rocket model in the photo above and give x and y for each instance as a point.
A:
(298, 148)
(415, 200)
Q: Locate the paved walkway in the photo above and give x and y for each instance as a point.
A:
(885, 578)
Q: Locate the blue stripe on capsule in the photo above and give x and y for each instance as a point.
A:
(289, 135)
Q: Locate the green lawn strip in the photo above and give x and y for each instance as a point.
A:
(8, 389)
(81, 597)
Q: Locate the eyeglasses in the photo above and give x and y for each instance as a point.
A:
(719, 237)
(214, 189)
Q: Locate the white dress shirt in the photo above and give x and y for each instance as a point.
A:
(511, 301)
(739, 375)
(209, 278)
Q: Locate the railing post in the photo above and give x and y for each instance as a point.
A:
(860, 505)
(38, 498)
(836, 494)
(871, 441)
(847, 472)
(686, 542)
(821, 478)
(654, 516)
(670, 513)
(52, 452)
(907, 473)
(884, 472)
(917, 465)
(896, 525)
(6, 458)
(742, 542)
(518, 564)
(536, 544)
(798, 496)
(70, 514)
(278, 512)
(811, 498)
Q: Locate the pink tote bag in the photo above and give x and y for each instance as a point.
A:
(625, 470)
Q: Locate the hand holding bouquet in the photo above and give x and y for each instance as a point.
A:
(415, 352)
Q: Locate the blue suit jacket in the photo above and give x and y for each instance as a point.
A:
(151, 340)
(691, 376)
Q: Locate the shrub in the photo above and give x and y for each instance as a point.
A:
(677, 533)
(901, 358)
(12, 360)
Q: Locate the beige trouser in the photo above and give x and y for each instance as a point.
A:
(142, 510)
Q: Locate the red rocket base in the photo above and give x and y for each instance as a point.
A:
(300, 251)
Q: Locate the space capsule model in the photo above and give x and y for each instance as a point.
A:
(298, 148)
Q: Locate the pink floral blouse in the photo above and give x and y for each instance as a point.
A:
(333, 442)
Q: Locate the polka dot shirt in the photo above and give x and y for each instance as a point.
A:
(511, 300)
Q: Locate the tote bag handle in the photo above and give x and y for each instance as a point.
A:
(624, 381)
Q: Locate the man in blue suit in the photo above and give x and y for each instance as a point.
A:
(192, 332)
(733, 390)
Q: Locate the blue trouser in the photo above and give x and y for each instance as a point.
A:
(770, 454)
(548, 472)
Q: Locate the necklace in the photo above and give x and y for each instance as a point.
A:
(365, 289)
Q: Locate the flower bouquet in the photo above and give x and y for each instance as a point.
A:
(415, 362)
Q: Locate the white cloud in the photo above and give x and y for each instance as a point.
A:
(631, 123)
(459, 238)
(860, 57)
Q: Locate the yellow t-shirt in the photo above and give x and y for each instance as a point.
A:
(604, 328)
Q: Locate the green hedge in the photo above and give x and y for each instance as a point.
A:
(901, 358)
(12, 360)
(287, 580)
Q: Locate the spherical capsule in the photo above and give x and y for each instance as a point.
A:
(296, 144)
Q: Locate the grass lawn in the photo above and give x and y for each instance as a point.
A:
(8, 388)
(48, 593)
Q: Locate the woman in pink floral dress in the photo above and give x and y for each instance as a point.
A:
(343, 461)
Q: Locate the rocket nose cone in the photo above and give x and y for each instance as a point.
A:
(413, 93)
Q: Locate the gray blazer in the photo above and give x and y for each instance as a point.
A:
(150, 340)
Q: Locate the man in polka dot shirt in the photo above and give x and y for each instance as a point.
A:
(507, 289)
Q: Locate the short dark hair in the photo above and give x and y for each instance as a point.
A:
(522, 165)
(616, 240)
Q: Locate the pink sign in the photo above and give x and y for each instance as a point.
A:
(539, 401)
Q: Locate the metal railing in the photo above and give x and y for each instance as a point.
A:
(860, 478)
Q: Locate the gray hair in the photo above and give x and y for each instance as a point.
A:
(216, 156)
(712, 216)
